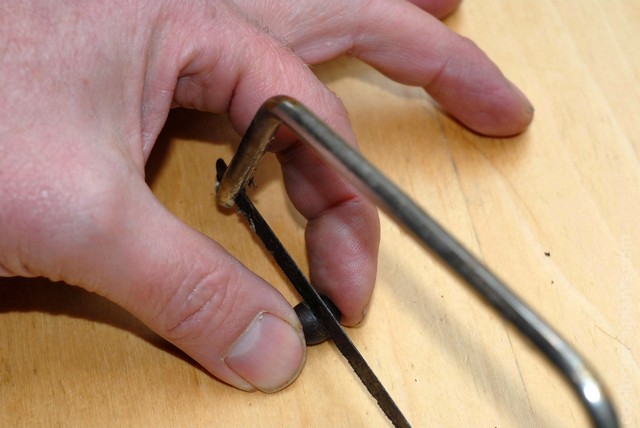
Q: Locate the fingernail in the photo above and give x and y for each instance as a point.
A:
(269, 354)
(525, 101)
(365, 312)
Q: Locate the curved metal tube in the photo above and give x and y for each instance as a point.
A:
(399, 206)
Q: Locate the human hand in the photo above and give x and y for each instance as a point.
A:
(86, 89)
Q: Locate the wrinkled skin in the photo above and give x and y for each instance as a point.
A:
(86, 89)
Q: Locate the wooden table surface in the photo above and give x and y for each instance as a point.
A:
(552, 211)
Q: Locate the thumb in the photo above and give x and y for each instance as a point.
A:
(193, 293)
(95, 223)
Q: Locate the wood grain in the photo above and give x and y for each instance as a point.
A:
(553, 211)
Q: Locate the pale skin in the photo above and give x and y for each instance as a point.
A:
(86, 88)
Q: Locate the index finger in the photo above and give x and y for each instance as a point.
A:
(342, 231)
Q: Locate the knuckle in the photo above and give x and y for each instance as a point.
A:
(200, 306)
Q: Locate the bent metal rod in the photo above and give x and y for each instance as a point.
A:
(311, 130)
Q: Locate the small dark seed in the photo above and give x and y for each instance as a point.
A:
(314, 331)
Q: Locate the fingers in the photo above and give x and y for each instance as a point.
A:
(342, 233)
(342, 230)
(454, 71)
(409, 46)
